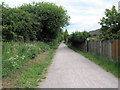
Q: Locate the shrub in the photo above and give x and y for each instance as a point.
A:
(78, 37)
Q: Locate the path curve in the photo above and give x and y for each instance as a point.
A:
(71, 70)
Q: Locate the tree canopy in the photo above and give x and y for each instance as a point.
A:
(110, 24)
(41, 21)
(79, 37)
(66, 35)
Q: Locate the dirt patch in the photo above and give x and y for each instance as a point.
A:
(11, 80)
(39, 58)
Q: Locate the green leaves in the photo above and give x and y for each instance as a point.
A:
(37, 21)
(110, 24)
(51, 17)
(66, 36)
(79, 37)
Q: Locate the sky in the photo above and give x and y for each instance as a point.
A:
(84, 14)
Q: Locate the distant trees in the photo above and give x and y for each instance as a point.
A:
(79, 37)
(66, 36)
(41, 21)
(110, 24)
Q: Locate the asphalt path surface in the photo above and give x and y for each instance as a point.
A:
(71, 70)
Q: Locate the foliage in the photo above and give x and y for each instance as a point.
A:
(16, 54)
(17, 25)
(41, 21)
(79, 37)
(66, 36)
(30, 22)
(110, 24)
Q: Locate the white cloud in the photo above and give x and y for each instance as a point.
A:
(13, 3)
(85, 14)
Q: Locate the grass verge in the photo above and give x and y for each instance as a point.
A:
(31, 73)
(105, 63)
(16, 54)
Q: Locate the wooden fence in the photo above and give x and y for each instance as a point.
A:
(107, 48)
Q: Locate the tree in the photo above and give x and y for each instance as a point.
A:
(37, 21)
(110, 24)
(52, 18)
(66, 35)
(79, 37)
(18, 24)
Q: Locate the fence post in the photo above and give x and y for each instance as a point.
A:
(86, 46)
(100, 48)
(119, 50)
(110, 46)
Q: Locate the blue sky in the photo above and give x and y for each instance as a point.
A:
(85, 14)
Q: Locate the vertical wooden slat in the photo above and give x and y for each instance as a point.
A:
(116, 50)
(100, 48)
(119, 50)
(112, 50)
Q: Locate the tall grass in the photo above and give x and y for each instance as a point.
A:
(36, 72)
(16, 54)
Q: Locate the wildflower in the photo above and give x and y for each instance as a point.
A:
(23, 57)
(11, 58)
(16, 56)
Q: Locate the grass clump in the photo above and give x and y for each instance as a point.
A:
(16, 54)
(109, 65)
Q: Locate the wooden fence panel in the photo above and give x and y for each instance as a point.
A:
(116, 50)
(107, 48)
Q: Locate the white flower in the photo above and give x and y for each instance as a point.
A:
(11, 58)
(23, 57)
(16, 56)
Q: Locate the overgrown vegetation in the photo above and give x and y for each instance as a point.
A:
(31, 73)
(105, 63)
(110, 25)
(29, 30)
(16, 54)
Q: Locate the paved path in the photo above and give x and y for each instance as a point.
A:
(71, 70)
